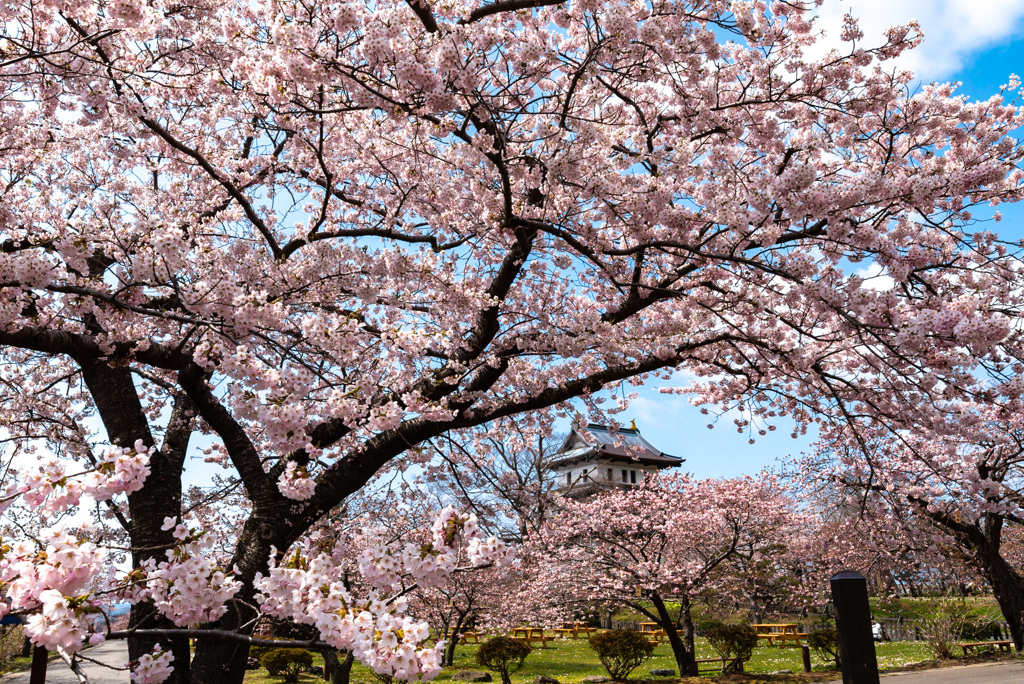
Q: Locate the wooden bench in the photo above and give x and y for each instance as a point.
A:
(723, 665)
(974, 645)
(795, 637)
(569, 630)
(530, 639)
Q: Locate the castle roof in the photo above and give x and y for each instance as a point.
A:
(598, 442)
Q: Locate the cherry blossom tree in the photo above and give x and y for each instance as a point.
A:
(469, 601)
(662, 542)
(953, 495)
(899, 554)
(320, 234)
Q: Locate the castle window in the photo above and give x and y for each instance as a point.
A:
(568, 479)
(609, 474)
(624, 476)
(632, 477)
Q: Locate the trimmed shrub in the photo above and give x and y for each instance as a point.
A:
(733, 641)
(977, 628)
(825, 642)
(258, 652)
(621, 651)
(503, 655)
(287, 663)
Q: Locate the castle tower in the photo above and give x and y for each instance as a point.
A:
(593, 458)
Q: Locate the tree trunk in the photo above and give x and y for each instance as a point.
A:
(453, 641)
(117, 401)
(222, 661)
(340, 669)
(984, 541)
(1008, 589)
(449, 650)
(682, 646)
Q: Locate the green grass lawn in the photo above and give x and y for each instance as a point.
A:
(984, 607)
(16, 665)
(569, 661)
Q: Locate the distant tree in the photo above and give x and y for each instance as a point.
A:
(733, 641)
(499, 473)
(665, 541)
(950, 494)
(825, 643)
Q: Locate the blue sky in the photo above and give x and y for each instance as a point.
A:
(977, 42)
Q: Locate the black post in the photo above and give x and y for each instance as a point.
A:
(853, 622)
(805, 651)
(38, 674)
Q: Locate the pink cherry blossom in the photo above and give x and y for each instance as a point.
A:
(153, 668)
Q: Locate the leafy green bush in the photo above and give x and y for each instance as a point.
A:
(976, 628)
(825, 642)
(503, 655)
(620, 651)
(733, 641)
(702, 627)
(287, 663)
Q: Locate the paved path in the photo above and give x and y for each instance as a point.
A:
(987, 673)
(57, 672)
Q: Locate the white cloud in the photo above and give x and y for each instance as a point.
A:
(953, 29)
(875, 278)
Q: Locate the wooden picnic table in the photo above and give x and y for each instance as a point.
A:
(531, 634)
(465, 636)
(653, 632)
(780, 632)
(525, 632)
(574, 629)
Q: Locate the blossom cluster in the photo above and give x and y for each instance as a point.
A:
(52, 583)
(455, 537)
(50, 489)
(295, 482)
(189, 588)
(153, 668)
(311, 589)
